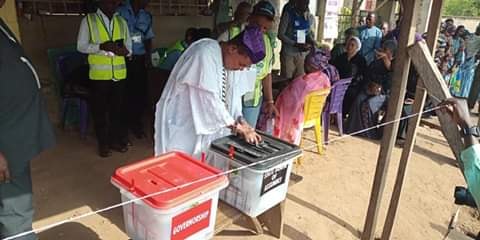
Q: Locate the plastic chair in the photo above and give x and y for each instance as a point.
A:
(313, 108)
(73, 65)
(334, 105)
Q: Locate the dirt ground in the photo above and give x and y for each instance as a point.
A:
(329, 203)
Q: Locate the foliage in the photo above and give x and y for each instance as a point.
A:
(346, 11)
(462, 8)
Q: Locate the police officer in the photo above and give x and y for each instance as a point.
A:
(25, 131)
(104, 36)
(140, 26)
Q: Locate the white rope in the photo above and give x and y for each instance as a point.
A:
(88, 214)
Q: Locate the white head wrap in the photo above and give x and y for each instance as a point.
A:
(359, 43)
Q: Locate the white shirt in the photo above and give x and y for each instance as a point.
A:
(83, 42)
(190, 113)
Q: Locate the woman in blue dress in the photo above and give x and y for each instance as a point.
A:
(467, 69)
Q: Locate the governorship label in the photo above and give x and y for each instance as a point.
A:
(191, 221)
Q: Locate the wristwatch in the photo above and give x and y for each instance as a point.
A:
(471, 131)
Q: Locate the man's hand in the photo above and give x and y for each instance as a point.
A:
(121, 51)
(271, 110)
(108, 46)
(4, 172)
(458, 110)
(380, 54)
(248, 133)
(303, 46)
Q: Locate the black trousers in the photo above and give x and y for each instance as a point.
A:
(107, 110)
(136, 95)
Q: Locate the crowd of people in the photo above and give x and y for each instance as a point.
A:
(457, 58)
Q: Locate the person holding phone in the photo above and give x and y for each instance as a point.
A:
(296, 33)
(105, 37)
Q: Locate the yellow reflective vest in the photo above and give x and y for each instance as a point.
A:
(106, 67)
(264, 67)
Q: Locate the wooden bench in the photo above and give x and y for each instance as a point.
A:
(272, 219)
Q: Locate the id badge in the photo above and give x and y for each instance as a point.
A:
(301, 37)
(137, 38)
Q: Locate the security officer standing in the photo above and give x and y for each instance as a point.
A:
(140, 25)
(25, 131)
(104, 36)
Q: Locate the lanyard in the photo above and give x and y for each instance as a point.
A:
(7, 34)
(224, 88)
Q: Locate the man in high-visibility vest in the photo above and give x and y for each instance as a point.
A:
(104, 36)
(262, 16)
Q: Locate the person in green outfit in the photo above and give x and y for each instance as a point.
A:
(240, 19)
(262, 16)
(470, 155)
(173, 53)
(25, 131)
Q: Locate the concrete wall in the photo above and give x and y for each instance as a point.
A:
(44, 32)
(9, 14)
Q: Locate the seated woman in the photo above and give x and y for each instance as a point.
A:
(368, 108)
(351, 64)
(288, 123)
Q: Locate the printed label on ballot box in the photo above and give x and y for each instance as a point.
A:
(191, 221)
(273, 179)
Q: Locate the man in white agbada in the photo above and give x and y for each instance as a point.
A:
(197, 105)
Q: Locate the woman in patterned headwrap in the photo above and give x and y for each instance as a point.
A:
(322, 56)
(290, 102)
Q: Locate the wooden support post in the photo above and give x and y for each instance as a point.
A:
(395, 105)
(321, 12)
(420, 96)
(437, 88)
(273, 219)
(355, 12)
(256, 225)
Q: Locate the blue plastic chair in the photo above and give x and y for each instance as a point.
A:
(68, 65)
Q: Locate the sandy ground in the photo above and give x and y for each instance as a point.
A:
(330, 202)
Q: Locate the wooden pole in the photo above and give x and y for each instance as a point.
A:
(437, 88)
(355, 11)
(395, 105)
(321, 12)
(420, 96)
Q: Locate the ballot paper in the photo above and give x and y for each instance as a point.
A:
(301, 37)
